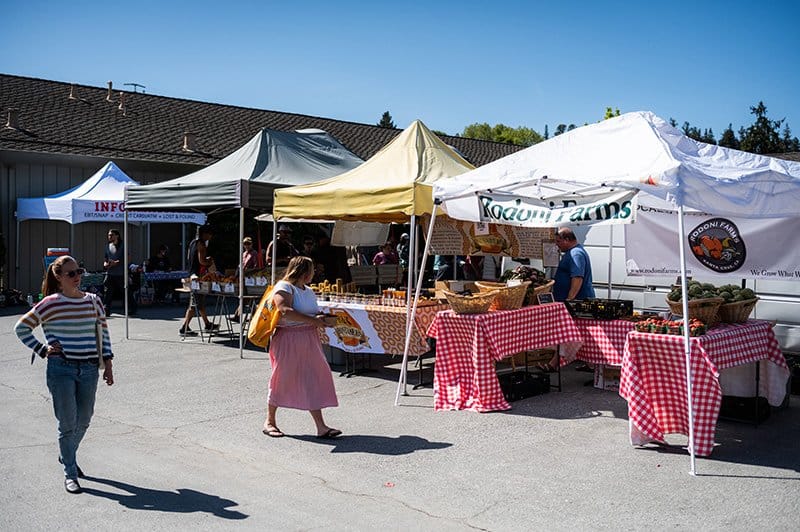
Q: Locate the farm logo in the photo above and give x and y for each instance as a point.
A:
(347, 329)
(717, 244)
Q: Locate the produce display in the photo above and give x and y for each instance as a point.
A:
(662, 326)
(729, 292)
(526, 273)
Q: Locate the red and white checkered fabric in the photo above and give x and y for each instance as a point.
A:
(603, 341)
(653, 378)
(467, 345)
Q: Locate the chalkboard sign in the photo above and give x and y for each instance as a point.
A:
(545, 298)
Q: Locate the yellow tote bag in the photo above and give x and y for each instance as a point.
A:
(264, 321)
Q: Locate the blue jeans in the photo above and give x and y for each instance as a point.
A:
(73, 386)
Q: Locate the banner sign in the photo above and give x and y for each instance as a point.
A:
(376, 329)
(114, 211)
(455, 237)
(715, 246)
(593, 209)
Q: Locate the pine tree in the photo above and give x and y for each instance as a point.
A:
(763, 136)
(546, 133)
(386, 121)
(728, 138)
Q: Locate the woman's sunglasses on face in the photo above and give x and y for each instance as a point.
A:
(72, 273)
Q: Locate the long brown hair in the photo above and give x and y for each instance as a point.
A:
(50, 284)
(298, 267)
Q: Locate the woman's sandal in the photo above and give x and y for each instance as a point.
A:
(272, 431)
(330, 434)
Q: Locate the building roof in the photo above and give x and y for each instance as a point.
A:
(64, 118)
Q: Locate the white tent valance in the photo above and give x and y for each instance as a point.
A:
(101, 198)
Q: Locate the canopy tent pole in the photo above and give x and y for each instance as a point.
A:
(241, 283)
(687, 342)
(412, 255)
(125, 272)
(401, 384)
(16, 257)
(274, 250)
(610, 257)
(72, 240)
(183, 247)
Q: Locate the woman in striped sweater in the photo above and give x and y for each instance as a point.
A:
(68, 317)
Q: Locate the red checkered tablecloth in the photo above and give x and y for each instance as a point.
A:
(603, 341)
(653, 378)
(467, 346)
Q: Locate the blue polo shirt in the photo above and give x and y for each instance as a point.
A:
(573, 263)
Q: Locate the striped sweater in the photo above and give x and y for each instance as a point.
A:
(71, 321)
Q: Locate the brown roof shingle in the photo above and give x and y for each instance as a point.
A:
(152, 127)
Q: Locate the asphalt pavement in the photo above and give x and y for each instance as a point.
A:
(176, 444)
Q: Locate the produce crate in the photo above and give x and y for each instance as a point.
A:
(518, 385)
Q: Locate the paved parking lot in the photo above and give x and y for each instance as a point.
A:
(176, 443)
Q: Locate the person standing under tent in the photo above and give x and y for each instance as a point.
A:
(113, 263)
(284, 249)
(386, 255)
(573, 278)
(249, 263)
(301, 378)
(69, 318)
(199, 264)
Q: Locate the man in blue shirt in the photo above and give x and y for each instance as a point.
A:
(573, 279)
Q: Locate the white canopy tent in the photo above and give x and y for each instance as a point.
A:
(637, 152)
(101, 198)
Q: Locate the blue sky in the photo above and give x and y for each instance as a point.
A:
(449, 64)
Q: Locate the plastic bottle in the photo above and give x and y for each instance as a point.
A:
(30, 300)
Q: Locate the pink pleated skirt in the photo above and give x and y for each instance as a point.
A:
(301, 377)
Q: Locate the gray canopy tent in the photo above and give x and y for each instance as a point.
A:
(247, 178)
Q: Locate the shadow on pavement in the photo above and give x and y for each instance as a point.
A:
(376, 444)
(179, 501)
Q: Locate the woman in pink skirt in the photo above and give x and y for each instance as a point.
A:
(301, 377)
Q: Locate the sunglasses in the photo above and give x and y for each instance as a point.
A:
(72, 273)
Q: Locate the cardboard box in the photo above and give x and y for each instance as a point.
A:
(453, 286)
(606, 377)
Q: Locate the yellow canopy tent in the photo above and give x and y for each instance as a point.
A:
(392, 186)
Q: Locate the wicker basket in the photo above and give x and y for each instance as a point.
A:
(738, 311)
(705, 310)
(543, 289)
(508, 297)
(475, 304)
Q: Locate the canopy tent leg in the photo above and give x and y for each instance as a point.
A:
(274, 250)
(183, 247)
(125, 273)
(16, 257)
(412, 256)
(401, 384)
(687, 343)
(610, 257)
(241, 283)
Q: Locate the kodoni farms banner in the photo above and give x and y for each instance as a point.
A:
(715, 246)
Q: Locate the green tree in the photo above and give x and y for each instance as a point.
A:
(764, 135)
(520, 136)
(386, 121)
(563, 128)
(728, 138)
(610, 113)
(673, 122)
(546, 133)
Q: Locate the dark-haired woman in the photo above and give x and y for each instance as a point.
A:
(301, 377)
(68, 317)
